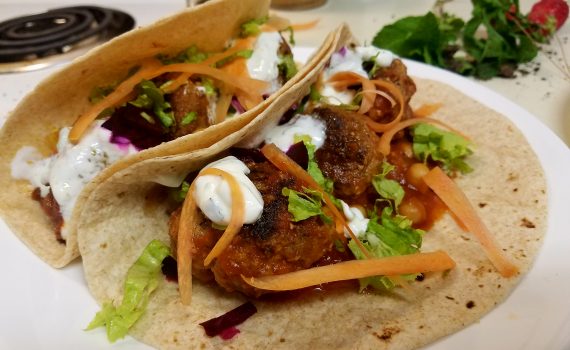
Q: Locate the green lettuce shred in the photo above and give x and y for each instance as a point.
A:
(287, 66)
(190, 55)
(305, 205)
(142, 279)
(245, 53)
(151, 97)
(387, 188)
(387, 235)
(252, 27)
(189, 118)
(442, 146)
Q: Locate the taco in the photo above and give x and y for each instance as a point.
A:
(179, 85)
(294, 242)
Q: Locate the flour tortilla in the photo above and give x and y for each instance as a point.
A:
(507, 188)
(60, 99)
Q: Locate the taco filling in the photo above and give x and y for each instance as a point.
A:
(164, 98)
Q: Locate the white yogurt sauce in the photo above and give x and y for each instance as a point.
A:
(213, 196)
(351, 61)
(263, 63)
(283, 136)
(71, 168)
(356, 220)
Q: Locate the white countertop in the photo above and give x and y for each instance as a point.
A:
(544, 93)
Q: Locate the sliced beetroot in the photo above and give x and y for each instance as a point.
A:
(225, 323)
(298, 152)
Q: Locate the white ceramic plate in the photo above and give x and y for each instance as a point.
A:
(43, 308)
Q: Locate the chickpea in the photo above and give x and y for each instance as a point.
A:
(413, 209)
(415, 174)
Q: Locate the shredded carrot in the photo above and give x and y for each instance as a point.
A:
(427, 109)
(457, 202)
(253, 88)
(238, 66)
(353, 269)
(222, 105)
(369, 91)
(379, 93)
(284, 163)
(185, 247)
(236, 220)
(386, 138)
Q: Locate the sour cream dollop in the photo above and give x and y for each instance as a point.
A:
(356, 220)
(213, 196)
(73, 166)
(263, 63)
(283, 136)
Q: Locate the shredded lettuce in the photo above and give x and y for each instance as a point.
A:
(305, 205)
(189, 55)
(252, 27)
(386, 188)
(245, 53)
(387, 235)
(287, 66)
(442, 146)
(291, 34)
(151, 97)
(189, 118)
(142, 279)
(208, 85)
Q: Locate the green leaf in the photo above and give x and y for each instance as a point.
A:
(287, 66)
(190, 55)
(208, 85)
(387, 235)
(245, 53)
(252, 27)
(305, 205)
(189, 118)
(142, 279)
(415, 37)
(151, 97)
(442, 146)
(387, 188)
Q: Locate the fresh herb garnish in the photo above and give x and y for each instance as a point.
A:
(387, 235)
(291, 34)
(313, 167)
(189, 55)
(179, 194)
(492, 43)
(306, 204)
(442, 146)
(252, 27)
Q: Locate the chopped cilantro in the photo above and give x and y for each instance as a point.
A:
(387, 235)
(442, 146)
(305, 205)
(386, 188)
(491, 43)
(189, 118)
(252, 27)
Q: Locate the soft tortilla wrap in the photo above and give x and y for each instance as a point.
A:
(507, 188)
(60, 99)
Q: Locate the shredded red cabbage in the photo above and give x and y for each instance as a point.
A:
(342, 51)
(222, 325)
(238, 107)
(298, 153)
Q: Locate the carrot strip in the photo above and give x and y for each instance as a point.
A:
(183, 77)
(238, 210)
(185, 247)
(222, 106)
(284, 163)
(386, 138)
(457, 202)
(83, 122)
(353, 269)
(427, 109)
(252, 87)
